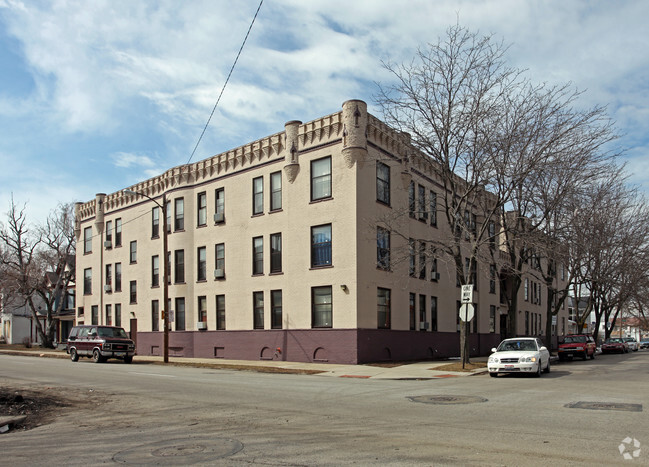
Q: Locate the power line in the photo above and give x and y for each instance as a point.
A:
(226, 83)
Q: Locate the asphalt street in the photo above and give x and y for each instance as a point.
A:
(582, 413)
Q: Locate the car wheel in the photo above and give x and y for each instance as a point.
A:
(592, 356)
(562, 358)
(538, 371)
(585, 355)
(493, 375)
(128, 359)
(547, 368)
(96, 356)
(74, 356)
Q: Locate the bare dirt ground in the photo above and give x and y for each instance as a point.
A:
(39, 405)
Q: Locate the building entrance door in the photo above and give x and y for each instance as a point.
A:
(503, 327)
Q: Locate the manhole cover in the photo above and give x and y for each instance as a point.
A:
(180, 451)
(447, 400)
(605, 406)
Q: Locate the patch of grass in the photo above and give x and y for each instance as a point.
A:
(457, 366)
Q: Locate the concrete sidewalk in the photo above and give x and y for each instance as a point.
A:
(397, 371)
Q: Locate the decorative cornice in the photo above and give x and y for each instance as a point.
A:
(311, 134)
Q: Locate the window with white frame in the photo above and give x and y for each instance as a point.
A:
(383, 183)
(383, 308)
(257, 196)
(321, 245)
(201, 206)
(258, 255)
(276, 191)
(321, 307)
(258, 309)
(179, 214)
(383, 248)
(87, 240)
(321, 178)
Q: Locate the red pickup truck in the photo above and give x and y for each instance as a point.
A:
(573, 345)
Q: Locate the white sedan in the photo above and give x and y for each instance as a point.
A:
(519, 355)
(632, 343)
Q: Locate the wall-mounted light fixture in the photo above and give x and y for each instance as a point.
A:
(344, 288)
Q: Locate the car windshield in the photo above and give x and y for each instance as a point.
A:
(527, 344)
(112, 332)
(629, 339)
(614, 340)
(575, 339)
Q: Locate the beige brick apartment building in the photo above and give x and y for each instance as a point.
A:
(275, 252)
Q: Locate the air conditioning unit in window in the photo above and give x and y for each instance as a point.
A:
(219, 274)
(108, 288)
(218, 218)
(108, 244)
(201, 325)
(435, 276)
(423, 326)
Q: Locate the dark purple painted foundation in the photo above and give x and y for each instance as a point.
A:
(346, 346)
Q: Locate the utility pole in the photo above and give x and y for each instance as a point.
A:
(165, 269)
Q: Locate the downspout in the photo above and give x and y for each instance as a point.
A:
(99, 225)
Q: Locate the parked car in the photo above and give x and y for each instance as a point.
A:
(614, 345)
(100, 343)
(581, 345)
(519, 355)
(631, 343)
(644, 344)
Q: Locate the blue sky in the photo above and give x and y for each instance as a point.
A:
(98, 95)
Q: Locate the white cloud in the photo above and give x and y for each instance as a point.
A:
(154, 69)
(129, 160)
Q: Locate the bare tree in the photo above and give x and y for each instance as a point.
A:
(610, 252)
(38, 265)
(496, 143)
(444, 99)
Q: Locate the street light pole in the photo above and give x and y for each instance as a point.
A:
(165, 271)
(165, 281)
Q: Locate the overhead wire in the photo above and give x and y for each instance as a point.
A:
(226, 82)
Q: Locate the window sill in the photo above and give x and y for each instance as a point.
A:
(258, 275)
(383, 203)
(199, 281)
(323, 266)
(277, 273)
(259, 214)
(200, 226)
(273, 211)
(320, 200)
